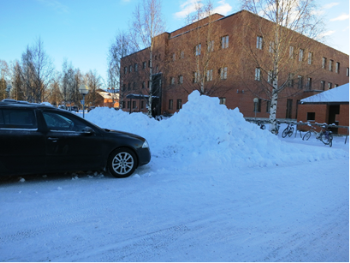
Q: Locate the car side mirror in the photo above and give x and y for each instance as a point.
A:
(88, 130)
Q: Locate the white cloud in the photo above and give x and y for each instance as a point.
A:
(224, 8)
(342, 17)
(324, 8)
(187, 8)
(55, 4)
(330, 5)
(328, 33)
(191, 6)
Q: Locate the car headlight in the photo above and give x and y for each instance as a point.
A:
(145, 145)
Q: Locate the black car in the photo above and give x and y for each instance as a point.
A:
(36, 139)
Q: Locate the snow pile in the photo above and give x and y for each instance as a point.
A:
(338, 94)
(205, 133)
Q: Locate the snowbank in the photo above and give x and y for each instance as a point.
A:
(205, 133)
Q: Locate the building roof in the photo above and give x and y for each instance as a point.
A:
(337, 94)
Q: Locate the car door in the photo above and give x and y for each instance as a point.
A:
(71, 143)
(22, 145)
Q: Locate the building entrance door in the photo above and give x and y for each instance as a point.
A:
(289, 109)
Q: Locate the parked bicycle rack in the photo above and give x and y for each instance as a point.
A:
(266, 121)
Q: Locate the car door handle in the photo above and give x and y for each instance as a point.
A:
(53, 139)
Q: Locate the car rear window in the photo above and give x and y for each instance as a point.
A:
(18, 118)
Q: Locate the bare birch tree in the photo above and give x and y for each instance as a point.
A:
(37, 72)
(147, 24)
(93, 81)
(4, 78)
(288, 17)
(120, 48)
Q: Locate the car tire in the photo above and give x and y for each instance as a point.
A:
(122, 162)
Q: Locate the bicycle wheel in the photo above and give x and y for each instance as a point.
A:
(284, 133)
(291, 131)
(326, 138)
(307, 136)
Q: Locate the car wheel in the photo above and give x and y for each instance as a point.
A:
(122, 163)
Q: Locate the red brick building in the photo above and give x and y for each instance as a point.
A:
(330, 107)
(219, 56)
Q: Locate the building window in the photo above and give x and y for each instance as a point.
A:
(144, 64)
(268, 105)
(337, 67)
(347, 72)
(271, 47)
(269, 76)
(179, 104)
(155, 57)
(259, 42)
(181, 79)
(330, 66)
(170, 104)
(300, 82)
(291, 52)
(174, 57)
(130, 68)
(129, 104)
(223, 73)
(209, 75)
(123, 104)
(257, 106)
(309, 58)
(291, 80)
(324, 62)
(125, 70)
(134, 104)
(323, 84)
(301, 54)
(198, 49)
(211, 46)
(223, 101)
(172, 80)
(224, 42)
(135, 67)
(182, 54)
(196, 77)
(336, 85)
(142, 104)
(143, 84)
(330, 85)
(129, 86)
(310, 116)
(309, 83)
(257, 74)
(149, 84)
(124, 87)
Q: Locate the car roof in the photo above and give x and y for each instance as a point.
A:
(22, 104)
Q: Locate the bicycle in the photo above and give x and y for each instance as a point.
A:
(261, 125)
(288, 131)
(324, 135)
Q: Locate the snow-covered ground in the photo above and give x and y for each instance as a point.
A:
(217, 189)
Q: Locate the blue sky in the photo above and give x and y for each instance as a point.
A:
(82, 30)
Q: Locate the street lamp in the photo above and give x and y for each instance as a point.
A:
(83, 90)
(256, 100)
(8, 88)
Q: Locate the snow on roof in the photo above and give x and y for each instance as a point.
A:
(338, 94)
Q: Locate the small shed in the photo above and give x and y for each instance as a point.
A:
(330, 107)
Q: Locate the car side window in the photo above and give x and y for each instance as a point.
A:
(18, 119)
(56, 121)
